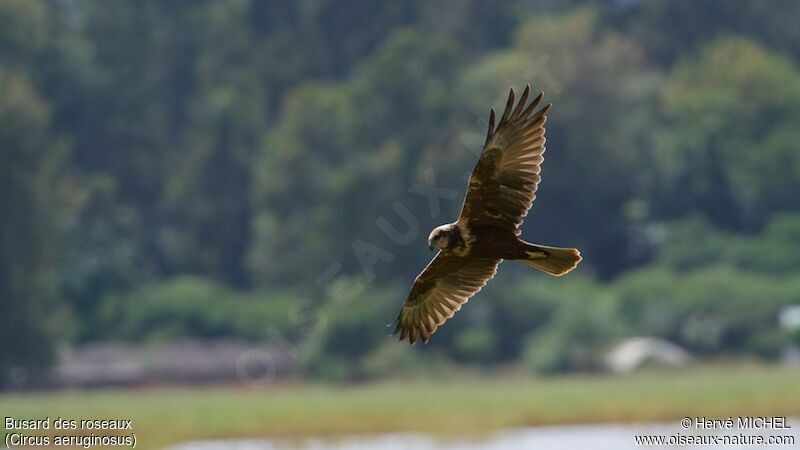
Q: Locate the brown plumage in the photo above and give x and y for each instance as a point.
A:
(500, 192)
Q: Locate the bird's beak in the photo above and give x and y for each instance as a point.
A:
(430, 247)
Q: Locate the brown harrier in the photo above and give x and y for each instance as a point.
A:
(500, 192)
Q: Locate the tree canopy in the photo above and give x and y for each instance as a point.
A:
(158, 155)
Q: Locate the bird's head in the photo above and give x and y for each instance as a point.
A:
(440, 237)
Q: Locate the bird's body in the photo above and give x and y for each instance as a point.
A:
(500, 192)
(483, 241)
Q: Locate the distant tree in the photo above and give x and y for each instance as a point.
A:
(728, 150)
(31, 165)
(174, 168)
(196, 307)
(341, 154)
(693, 243)
(714, 310)
(170, 111)
(669, 29)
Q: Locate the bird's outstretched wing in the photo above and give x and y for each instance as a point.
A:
(503, 184)
(440, 290)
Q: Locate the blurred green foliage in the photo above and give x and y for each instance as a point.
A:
(216, 169)
(195, 307)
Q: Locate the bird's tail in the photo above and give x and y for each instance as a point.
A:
(553, 260)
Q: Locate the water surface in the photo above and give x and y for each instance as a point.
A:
(567, 437)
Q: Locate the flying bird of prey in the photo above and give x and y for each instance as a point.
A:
(500, 192)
